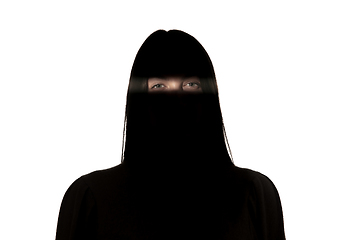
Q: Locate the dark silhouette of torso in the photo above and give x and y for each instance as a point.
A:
(127, 203)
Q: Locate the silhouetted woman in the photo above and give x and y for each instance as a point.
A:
(176, 179)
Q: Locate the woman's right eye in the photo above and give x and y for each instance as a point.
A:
(158, 85)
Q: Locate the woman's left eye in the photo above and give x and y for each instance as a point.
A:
(192, 84)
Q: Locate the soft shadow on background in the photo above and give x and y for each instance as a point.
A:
(292, 69)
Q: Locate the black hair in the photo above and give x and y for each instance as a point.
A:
(172, 53)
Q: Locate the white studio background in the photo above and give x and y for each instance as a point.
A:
(288, 74)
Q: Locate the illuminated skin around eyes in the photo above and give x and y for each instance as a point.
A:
(174, 84)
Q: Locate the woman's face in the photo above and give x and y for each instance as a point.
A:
(174, 84)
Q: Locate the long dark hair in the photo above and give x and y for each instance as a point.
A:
(173, 53)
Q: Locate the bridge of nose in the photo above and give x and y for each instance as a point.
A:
(175, 84)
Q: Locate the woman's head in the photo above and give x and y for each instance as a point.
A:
(171, 53)
(172, 100)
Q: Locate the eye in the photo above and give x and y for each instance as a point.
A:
(192, 85)
(158, 85)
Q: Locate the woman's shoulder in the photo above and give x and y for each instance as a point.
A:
(258, 181)
(265, 200)
(99, 178)
(248, 174)
(112, 171)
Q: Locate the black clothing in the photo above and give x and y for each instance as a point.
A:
(126, 203)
